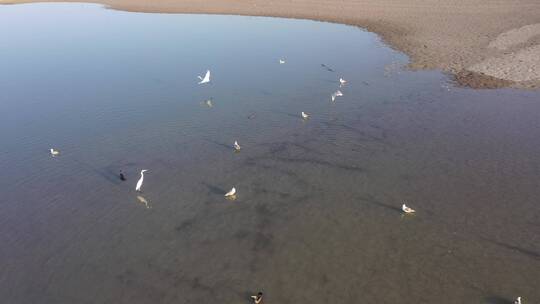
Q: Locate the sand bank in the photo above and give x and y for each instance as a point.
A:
(487, 43)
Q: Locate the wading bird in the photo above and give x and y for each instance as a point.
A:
(231, 193)
(407, 209)
(236, 146)
(258, 298)
(139, 183)
(305, 115)
(206, 78)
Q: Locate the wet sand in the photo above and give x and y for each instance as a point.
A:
(486, 43)
(317, 217)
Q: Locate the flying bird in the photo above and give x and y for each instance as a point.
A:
(305, 115)
(139, 183)
(54, 152)
(231, 193)
(407, 209)
(281, 61)
(206, 78)
(342, 82)
(336, 94)
(236, 146)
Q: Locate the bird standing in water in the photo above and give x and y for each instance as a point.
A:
(231, 193)
(54, 152)
(258, 298)
(139, 183)
(236, 146)
(407, 209)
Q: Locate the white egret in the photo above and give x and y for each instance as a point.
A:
(342, 82)
(407, 209)
(206, 78)
(139, 183)
(518, 300)
(231, 193)
(305, 115)
(236, 146)
(281, 61)
(54, 152)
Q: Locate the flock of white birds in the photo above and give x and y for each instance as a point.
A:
(231, 194)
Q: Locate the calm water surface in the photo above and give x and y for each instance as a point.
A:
(317, 216)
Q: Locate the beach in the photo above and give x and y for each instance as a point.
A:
(318, 213)
(484, 43)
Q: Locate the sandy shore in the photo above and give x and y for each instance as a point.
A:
(486, 43)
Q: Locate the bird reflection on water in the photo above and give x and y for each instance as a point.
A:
(143, 201)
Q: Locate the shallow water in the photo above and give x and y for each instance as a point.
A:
(317, 214)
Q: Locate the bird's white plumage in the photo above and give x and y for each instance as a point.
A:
(281, 61)
(305, 115)
(231, 193)
(518, 300)
(337, 93)
(407, 209)
(342, 82)
(236, 146)
(54, 152)
(140, 182)
(206, 78)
